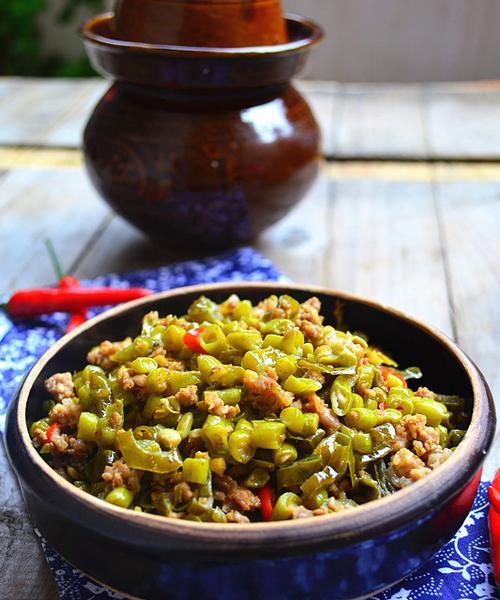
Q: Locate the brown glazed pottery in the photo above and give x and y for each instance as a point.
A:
(333, 557)
(201, 147)
(210, 23)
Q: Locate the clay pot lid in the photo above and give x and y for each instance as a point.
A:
(203, 23)
(302, 35)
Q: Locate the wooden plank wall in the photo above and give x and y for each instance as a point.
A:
(404, 40)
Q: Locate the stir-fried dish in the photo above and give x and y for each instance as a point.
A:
(238, 413)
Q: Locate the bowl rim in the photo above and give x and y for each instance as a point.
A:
(315, 35)
(380, 515)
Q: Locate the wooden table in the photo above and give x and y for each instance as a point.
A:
(407, 211)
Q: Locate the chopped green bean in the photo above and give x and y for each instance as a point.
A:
(143, 365)
(297, 472)
(241, 447)
(268, 434)
(245, 340)
(87, 427)
(293, 418)
(311, 424)
(285, 504)
(301, 385)
(213, 340)
(120, 496)
(185, 424)
(257, 479)
(434, 411)
(285, 455)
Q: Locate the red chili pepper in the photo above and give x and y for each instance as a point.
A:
(192, 340)
(49, 434)
(41, 301)
(386, 371)
(382, 405)
(76, 320)
(68, 281)
(494, 520)
(79, 317)
(266, 501)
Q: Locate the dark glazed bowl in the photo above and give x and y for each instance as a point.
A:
(343, 556)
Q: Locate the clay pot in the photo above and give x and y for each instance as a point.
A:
(201, 147)
(209, 23)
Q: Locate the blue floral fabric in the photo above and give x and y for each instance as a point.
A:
(460, 571)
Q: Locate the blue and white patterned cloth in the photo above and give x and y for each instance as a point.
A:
(460, 571)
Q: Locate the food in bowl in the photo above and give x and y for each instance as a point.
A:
(237, 412)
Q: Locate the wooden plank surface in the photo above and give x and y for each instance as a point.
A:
(358, 121)
(384, 243)
(420, 236)
(380, 121)
(470, 217)
(121, 247)
(39, 204)
(463, 124)
(67, 130)
(297, 244)
(31, 110)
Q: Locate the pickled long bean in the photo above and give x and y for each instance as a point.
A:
(234, 407)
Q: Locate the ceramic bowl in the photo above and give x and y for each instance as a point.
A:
(350, 555)
(209, 23)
